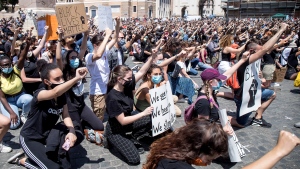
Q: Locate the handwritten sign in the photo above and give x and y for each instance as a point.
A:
(51, 21)
(72, 18)
(105, 19)
(163, 116)
(251, 89)
(235, 149)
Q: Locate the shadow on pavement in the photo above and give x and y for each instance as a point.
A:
(295, 91)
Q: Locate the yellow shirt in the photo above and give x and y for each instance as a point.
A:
(13, 84)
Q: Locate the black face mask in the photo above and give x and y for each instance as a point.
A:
(127, 83)
(53, 85)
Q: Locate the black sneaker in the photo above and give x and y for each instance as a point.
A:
(260, 122)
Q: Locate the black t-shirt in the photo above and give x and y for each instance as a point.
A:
(292, 59)
(240, 77)
(75, 103)
(202, 107)
(43, 116)
(173, 164)
(269, 58)
(226, 57)
(31, 71)
(2, 48)
(171, 66)
(118, 103)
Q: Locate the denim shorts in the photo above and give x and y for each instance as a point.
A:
(265, 95)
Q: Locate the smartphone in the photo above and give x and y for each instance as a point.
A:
(66, 145)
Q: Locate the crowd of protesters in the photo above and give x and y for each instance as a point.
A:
(42, 81)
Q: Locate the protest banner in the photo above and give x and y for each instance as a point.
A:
(41, 23)
(235, 149)
(51, 21)
(251, 100)
(105, 19)
(163, 115)
(72, 18)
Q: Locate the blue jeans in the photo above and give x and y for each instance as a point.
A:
(265, 95)
(192, 72)
(202, 66)
(22, 101)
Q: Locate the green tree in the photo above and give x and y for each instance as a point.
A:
(13, 4)
(3, 4)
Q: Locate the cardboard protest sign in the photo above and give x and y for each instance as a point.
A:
(251, 100)
(279, 74)
(51, 21)
(72, 18)
(235, 149)
(163, 115)
(105, 19)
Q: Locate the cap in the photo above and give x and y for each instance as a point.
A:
(211, 73)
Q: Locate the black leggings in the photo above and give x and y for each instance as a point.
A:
(88, 117)
(124, 145)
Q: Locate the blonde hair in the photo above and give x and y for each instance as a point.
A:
(207, 95)
(225, 41)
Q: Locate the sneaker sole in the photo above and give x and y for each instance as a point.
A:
(255, 124)
(19, 154)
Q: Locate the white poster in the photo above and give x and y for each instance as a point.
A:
(105, 19)
(235, 149)
(251, 89)
(163, 115)
(41, 27)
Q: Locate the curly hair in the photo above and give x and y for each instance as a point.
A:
(169, 45)
(200, 137)
(225, 41)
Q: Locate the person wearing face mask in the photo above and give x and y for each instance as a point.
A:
(77, 108)
(12, 95)
(8, 43)
(208, 108)
(29, 74)
(153, 78)
(122, 119)
(48, 105)
(116, 53)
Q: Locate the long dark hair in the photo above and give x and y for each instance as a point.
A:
(153, 66)
(68, 71)
(200, 137)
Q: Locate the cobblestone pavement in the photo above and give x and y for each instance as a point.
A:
(282, 113)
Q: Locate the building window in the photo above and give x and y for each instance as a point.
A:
(70, 0)
(86, 10)
(134, 8)
(93, 13)
(115, 8)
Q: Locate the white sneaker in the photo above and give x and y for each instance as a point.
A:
(23, 119)
(4, 148)
(182, 100)
(275, 84)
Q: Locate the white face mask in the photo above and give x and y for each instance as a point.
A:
(11, 38)
(29, 54)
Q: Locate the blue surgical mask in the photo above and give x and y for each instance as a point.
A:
(3, 41)
(218, 86)
(74, 63)
(156, 79)
(122, 42)
(232, 41)
(216, 40)
(7, 70)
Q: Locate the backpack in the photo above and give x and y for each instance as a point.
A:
(188, 112)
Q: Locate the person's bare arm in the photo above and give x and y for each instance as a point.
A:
(116, 34)
(286, 143)
(268, 45)
(83, 45)
(234, 68)
(100, 50)
(27, 79)
(59, 60)
(13, 43)
(42, 43)
(125, 120)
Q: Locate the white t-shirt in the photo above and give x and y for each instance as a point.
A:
(99, 71)
(285, 54)
(182, 65)
(119, 57)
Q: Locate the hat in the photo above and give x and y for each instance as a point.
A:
(292, 45)
(211, 73)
